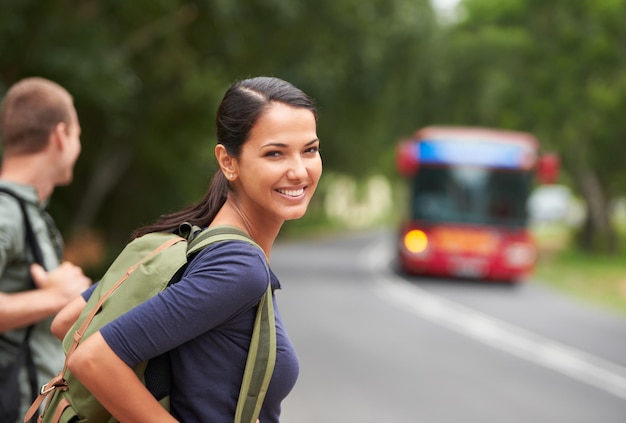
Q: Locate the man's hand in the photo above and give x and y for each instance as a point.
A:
(67, 280)
(54, 290)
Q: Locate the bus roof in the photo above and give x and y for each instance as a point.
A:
(469, 132)
(472, 146)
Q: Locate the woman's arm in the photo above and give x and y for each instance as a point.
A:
(114, 383)
(65, 318)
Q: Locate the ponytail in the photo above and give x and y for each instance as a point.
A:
(200, 214)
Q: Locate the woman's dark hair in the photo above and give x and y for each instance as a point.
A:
(240, 109)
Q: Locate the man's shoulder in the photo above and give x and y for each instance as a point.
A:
(10, 215)
(9, 209)
(9, 190)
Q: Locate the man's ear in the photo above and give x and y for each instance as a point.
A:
(58, 136)
(228, 164)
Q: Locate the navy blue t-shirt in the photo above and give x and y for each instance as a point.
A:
(205, 321)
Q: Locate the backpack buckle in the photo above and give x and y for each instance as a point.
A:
(45, 388)
(55, 383)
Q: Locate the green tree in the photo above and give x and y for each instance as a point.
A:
(555, 69)
(147, 77)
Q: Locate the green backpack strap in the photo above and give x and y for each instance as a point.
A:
(262, 353)
(211, 235)
(260, 362)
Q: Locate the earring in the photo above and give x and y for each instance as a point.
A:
(231, 176)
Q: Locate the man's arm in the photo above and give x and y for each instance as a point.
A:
(54, 290)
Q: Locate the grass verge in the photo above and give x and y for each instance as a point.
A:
(597, 279)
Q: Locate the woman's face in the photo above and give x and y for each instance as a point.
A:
(280, 164)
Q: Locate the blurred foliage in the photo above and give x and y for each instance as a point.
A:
(147, 77)
(554, 69)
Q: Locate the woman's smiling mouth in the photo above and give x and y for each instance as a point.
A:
(291, 192)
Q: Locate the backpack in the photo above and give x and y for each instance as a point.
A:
(146, 266)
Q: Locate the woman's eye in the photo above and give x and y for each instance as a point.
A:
(315, 149)
(273, 154)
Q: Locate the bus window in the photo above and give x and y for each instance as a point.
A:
(470, 195)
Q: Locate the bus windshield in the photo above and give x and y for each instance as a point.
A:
(475, 195)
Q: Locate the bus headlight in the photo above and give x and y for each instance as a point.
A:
(416, 241)
(520, 254)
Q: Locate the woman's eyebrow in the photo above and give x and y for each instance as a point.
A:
(283, 145)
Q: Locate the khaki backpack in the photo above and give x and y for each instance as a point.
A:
(146, 266)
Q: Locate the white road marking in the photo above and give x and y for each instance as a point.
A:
(577, 364)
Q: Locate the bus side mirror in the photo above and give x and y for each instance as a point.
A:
(548, 168)
(406, 158)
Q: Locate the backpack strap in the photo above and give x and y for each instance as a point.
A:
(31, 242)
(260, 362)
(262, 352)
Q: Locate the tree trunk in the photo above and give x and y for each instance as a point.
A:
(105, 176)
(597, 234)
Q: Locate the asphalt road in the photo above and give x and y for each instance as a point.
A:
(375, 346)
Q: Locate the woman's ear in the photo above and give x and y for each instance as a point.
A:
(227, 163)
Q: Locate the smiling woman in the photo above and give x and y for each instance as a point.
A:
(277, 171)
(269, 168)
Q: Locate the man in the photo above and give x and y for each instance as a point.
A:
(40, 142)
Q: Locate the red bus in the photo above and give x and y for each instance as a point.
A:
(468, 189)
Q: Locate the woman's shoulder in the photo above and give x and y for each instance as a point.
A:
(233, 249)
(232, 259)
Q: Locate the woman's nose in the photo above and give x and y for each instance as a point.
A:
(297, 169)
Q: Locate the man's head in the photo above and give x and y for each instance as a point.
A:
(38, 114)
